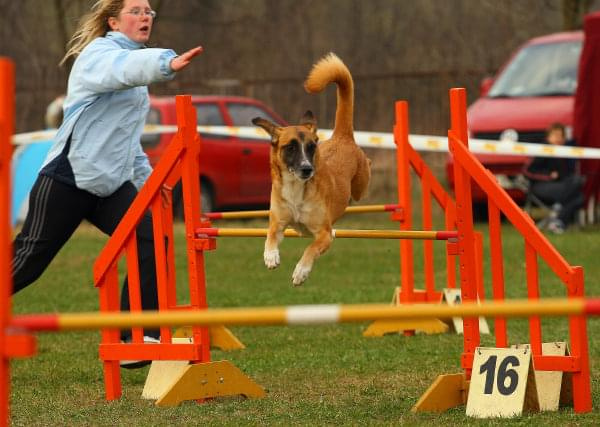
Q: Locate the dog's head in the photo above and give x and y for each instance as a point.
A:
(294, 147)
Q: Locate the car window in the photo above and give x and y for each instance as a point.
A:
(209, 115)
(151, 140)
(242, 114)
(540, 70)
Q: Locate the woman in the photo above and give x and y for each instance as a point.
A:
(555, 181)
(96, 165)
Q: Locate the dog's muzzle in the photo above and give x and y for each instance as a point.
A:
(306, 171)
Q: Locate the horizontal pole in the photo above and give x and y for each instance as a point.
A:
(265, 213)
(342, 234)
(304, 314)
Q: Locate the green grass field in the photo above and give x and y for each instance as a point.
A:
(325, 375)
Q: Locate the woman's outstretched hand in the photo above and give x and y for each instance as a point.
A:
(180, 62)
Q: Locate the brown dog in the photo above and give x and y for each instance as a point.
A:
(312, 182)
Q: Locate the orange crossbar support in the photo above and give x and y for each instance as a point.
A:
(179, 160)
(305, 315)
(265, 213)
(342, 234)
(407, 158)
(467, 168)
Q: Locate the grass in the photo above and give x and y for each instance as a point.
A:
(326, 375)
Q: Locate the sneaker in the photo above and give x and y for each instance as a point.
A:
(556, 226)
(136, 364)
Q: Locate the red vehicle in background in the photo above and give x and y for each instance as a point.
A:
(234, 171)
(535, 88)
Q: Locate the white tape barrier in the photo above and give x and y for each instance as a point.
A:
(373, 140)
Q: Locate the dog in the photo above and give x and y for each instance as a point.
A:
(312, 181)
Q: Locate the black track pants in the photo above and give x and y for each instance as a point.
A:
(55, 212)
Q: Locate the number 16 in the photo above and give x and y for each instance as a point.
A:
(489, 367)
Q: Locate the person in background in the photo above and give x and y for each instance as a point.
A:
(96, 165)
(554, 181)
(54, 112)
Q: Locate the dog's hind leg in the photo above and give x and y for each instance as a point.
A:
(321, 243)
(274, 237)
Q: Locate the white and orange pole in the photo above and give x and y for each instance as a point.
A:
(304, 314)
(265, 213)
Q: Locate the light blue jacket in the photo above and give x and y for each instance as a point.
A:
(105, 111)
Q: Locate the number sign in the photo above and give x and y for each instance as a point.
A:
(502, 383)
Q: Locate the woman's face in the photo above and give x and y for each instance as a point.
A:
(135, 20)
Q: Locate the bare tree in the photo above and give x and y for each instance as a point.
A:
(573, 12)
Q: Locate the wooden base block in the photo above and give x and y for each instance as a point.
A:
(448, 391)
(220, 337)
(380, 328)
(161, 376)
(201, 381)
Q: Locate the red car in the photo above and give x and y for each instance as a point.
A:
(234, 172)
(535, 88)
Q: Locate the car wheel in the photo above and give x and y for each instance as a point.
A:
(206, 198)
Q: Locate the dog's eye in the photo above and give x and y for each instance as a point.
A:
(311, 147)
(292, 146)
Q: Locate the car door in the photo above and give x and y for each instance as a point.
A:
(255, 177)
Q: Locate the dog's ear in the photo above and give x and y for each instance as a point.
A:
(308, 120)
(271, 128)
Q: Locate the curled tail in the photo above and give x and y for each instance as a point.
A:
(331, 69)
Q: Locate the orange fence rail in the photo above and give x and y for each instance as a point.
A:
(467, 168)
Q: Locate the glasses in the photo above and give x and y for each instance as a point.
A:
(137, 11)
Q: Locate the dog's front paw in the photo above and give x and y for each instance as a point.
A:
(300, 274)
(272, 259)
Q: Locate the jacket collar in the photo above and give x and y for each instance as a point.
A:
(123, 41)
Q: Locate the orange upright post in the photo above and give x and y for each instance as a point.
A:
(7, 119)
(408, 159)
(407, 279)
(466, 241)
(11, 344)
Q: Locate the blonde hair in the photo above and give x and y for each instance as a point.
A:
(92, 25)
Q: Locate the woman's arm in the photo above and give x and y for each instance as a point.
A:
(103, 66)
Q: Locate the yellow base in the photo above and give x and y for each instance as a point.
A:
(220, 337)
(448, 391)
(180, 381)
(380, 328)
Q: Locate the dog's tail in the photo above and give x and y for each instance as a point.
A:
(331, 69)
